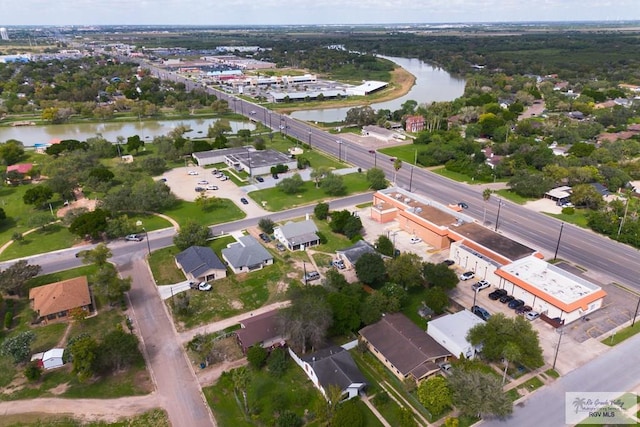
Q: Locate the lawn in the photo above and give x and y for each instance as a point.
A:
(416, 297)
(622, 335)
(235, 294)
(316, 158)
(513, 197)
(579, 218)
(532, 384)
(455, 176)
(223, 211)
(53, 237)
(153, 418)
(334, 241)
(266, 395)
(406, 153)
(276, 200)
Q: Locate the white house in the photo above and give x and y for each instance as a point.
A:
(297, 235)
(50, 359)
(450, 331)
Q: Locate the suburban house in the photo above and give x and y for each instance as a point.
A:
(297, 235)
(23, 168)
(332, 366)
(200, 263)
(450, 331)
(403, 347)
(56, 300)
(352, 254)
(49, 359)
(246, 255)
(260, 330)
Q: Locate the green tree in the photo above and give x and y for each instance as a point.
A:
(33, 371)
(219, 128)
(91, 224)
(192, 234)
(11, 152)
(317, 174)
(18, 346)
(291, 185)
(13, 279)
(266, 225)
(98, 255)
(439, 275)
(40, 219)
(333, 185)
(308, 318)
(384, 245)
(241, 379)
(277, 363)
(118, 350)
(376, 179)
(437, 299)
(435, 395)
(405, 270)
(84, 353)
(587, 196)
(348, 414)
(372, 307)
(289, 419)
(257, 356)
(486, 196)
(109, 285)
(397, 165)
(153, 165)
(321, 211)
(371, 270)
(344, 308)
(38, 195)
(500, 332)
(477, 393)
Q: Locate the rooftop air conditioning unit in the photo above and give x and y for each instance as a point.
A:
(398, 196)
(418, 210)
(407, 200)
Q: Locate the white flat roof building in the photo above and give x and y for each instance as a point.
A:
(451, 331)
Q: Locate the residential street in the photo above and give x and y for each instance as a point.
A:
(177, 387)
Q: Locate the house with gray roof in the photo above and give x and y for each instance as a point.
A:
(297, 235)
(200, 263)
(246, 255)
(352, 254)
(332, 366)
(403, 347)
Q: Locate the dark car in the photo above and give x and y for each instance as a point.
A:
(480, 312)
(199, 189)
(516, 303)
(244, 201)
(523, 309)
(280, 247)
(497, 294)
(448, 262)
(312, 275)
(259, 179)
(264, 237)
(275, 176)
(463, 205)
(505, 299)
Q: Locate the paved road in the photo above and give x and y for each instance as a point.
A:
(177, 387)
(616, 370)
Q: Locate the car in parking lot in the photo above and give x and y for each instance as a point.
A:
(280, 247)
(218, 174)
(214, 171)
(312, 275)
(134, 238)
(203, 182)
(192, 172)
(448, 262)
(199, 189)
(163, 180)
(415, 239)
(480, 312)
(244, 201)
(467, 275)
(259, 179)
(497, 294)
(204, 286)
(224, 178)
(480, 285)
(212, 187)
(532, 315)
(506, 298)
(516, 303)
(523, 309)
(339, 264)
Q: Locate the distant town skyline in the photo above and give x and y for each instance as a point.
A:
(304, 12)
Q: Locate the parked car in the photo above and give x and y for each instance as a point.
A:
(192, 172)
(275, 176)
(244, 201)
(312, 275)
(134, 238)
(203, 182)
(516, 303)
(497, 294)
(463, 205)
(339, 264)
(480, 312)
(445, 367)
(482, 284)
(199, 189)
(163, 180)
(259, 179)
(280, 247)
(415, 239)
(193, 285)
(448, 262)
(224, 178)
(212, 187)
(507, 298)
(467, 275)
(214, 171)
(264, 237)
(218, 174)
(523, 309)
(532, 315)
(204, 286)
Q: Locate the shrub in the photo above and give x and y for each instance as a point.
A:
(568, 210)
(8, 319)
(266, 225)
(33, 372)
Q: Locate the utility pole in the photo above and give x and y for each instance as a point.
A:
(555, 357)
(498, 216)
(558, 245)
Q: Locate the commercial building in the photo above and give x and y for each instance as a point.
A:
(254, 162)
(450, 331)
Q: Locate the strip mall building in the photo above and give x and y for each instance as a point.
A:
(503, 262)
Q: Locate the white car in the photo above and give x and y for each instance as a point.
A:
(212, 187)
(203, 182)
(415, 239)
(482, 284)
(192, 172)
(204, 286)
(532, 315)
(467, 275)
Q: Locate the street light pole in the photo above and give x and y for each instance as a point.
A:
(304, 265)
(339, 150)
(309, 140)
(636, 313)
(555, 255)
(475, 294)
(410, 179)
(498, 216)
(146, 237)
(555, 357)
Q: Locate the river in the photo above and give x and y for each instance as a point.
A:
(32, 135)
(432, 84)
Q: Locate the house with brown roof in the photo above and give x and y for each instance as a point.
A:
(260, 330)
(403, 347)
(56, 300)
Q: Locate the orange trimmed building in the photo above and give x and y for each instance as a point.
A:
(491, 256)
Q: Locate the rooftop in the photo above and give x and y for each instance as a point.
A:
(60, 296)
(456, 326)
(495, 242)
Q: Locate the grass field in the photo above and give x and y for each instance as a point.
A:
(223, 211)
(276, 200)
(153, 418)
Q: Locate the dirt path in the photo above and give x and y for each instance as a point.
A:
(109, 410)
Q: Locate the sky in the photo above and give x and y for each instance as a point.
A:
(305, 12)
